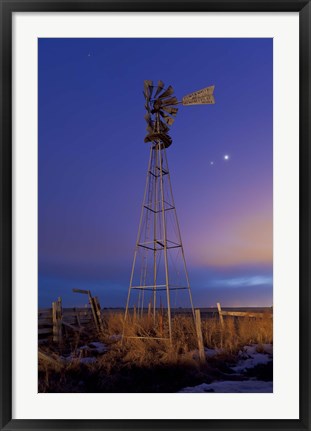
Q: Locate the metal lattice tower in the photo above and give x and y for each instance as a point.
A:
(159, 270)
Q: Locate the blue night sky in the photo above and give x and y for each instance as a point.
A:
(93, 160)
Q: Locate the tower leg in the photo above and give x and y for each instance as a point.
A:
(155, 208)
(165, 249)
(136, 248)
(180, 241)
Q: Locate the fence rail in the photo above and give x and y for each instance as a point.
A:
(250, 314)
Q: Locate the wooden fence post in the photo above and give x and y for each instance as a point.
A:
(91, 301)
(161, 306)
(161, 324)
(149, 310)
(57, 320)
(77, 317)
(220, 315)
(199, 335)
(98, 314)
(54, 319)
(95, 307)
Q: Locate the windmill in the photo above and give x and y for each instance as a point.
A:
(159, 267)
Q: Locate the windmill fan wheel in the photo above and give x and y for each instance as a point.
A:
(161, 111)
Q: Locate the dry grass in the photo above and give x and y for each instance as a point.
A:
(140, 365)
(237, 332)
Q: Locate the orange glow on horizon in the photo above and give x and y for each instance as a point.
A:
(247, 240)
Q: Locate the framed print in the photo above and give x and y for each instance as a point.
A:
(155, 215)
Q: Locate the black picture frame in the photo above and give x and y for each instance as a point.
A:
(8, 7)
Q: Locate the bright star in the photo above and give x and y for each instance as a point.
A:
(226, 157)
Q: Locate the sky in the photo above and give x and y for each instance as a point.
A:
(92, 165)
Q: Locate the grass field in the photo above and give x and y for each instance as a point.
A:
(240, 351)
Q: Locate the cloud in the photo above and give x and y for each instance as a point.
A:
(255, 280)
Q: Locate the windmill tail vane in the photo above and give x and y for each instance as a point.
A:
(161, 107)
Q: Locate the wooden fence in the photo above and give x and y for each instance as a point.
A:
(249, 314)
(55, 322)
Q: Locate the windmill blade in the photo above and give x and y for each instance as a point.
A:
(160, 88)
(200, 97)
(150, 127)
(148, 87)
(170, 110)
(168, 92)
(170, 101)
(147, 117)
(169, 120)
(150, 123)
(163, 127)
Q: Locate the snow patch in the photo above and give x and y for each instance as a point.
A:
(210, 353)
(98, 347)
(115, 337)
(247, 386)
(250, 358)
(87, 360)
(86, 354)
